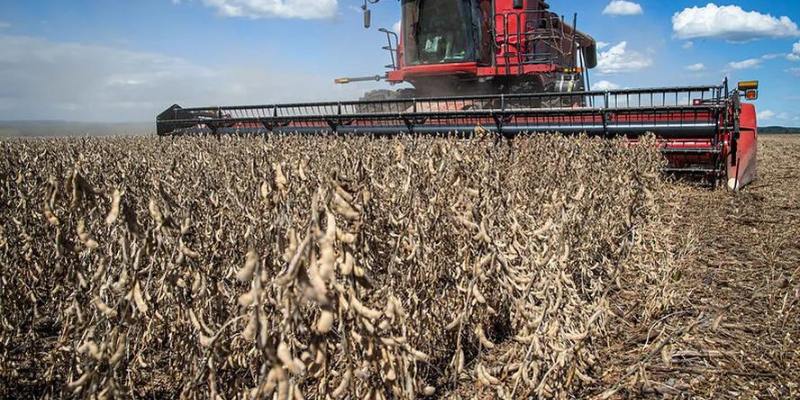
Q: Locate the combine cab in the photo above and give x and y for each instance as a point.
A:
(511, 67)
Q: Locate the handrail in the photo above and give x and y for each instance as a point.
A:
(522, 37)
(716, 92)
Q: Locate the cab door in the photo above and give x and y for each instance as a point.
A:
(483, 30)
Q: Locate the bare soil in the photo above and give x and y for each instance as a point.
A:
(731, 328)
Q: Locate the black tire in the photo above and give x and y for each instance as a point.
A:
(382, 95)
(556, 97)
(528, 86)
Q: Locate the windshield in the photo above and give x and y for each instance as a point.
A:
(437, 31)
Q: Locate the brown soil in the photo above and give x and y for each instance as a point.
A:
(733, 324)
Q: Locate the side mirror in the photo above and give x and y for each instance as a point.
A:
(590, 56)
(367, 18)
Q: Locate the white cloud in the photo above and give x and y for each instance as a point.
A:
(771, 56)
(695, 67)
(397, 27)
(731, 23)
(795, 54)
(253, 9)
(766, 114)
(621, 7)
(688, 45)
(4, 25)
(793, 71)
(746, 64)
(602, 45)
(604, 85)
(618, 59)
(42, 79)
(771, 115)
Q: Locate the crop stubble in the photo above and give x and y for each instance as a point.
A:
(735, 284)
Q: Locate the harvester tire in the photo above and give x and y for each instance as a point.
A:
(527, 87)
(381, 95)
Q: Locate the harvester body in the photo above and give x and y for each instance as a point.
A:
(457, 47)
(511, 67)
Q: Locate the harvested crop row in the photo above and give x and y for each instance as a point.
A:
(305, 267)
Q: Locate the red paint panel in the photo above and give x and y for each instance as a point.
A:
(743, 166)
(515, 70)
(433, 70)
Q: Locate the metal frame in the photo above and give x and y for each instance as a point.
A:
(527, 39)
(393, 49)
(620, 112)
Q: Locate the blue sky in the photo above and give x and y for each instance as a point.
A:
(124, 60)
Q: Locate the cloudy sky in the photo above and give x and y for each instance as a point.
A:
(124, 60)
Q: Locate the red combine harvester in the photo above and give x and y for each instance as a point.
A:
(510, 67)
